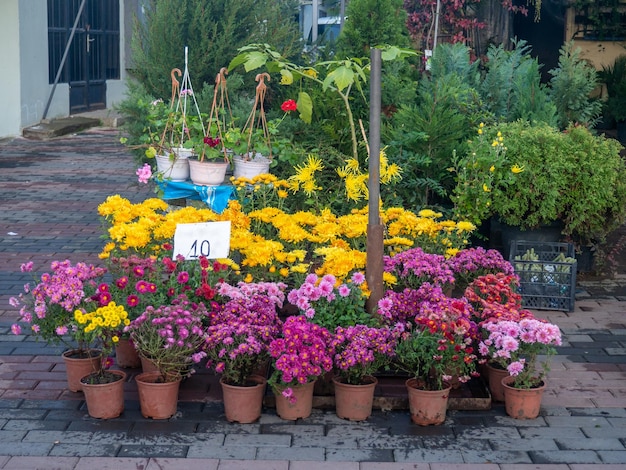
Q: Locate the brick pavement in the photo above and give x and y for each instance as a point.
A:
(49, 213)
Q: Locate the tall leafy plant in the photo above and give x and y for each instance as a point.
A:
(212, 29)
(571, 86)
(512, 88)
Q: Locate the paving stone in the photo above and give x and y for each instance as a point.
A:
(604, 412)
(30, 424)
(162, 463)
(6, 413)
(486, 432)
(201, 451)
(41, 463)
(309, 430)
(10, 403)
(153, 451)
(590, 444)
(299, 465)
(258, 465)
(101, 425)
(10, 435)
(50, 405)
(455, 443)
(317, 454)
(613, 457)
(503, 456)
(551, 433)
(24, 448)
(578, 421)
(158, 427)
(118, 463)
(84, 450)
(225, 427)
(357, 431)
(605, 432)
(564, 456)
(427, 455)
(524, 444)
(257, 440)
(58, 437)
(360, 455)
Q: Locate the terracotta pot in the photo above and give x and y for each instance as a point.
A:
(126, 355)
(158, 400)
(299, 406)
(78, 367)
(494, 380)
(427, 406)
(354, 402)
(243, 404)
(521, 403)
(147, 365)
(105, 401)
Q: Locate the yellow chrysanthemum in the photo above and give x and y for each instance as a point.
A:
(517, 168)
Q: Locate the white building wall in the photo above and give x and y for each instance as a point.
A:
(10, 66)
(35, 88)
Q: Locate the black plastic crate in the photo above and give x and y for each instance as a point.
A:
(547, 273)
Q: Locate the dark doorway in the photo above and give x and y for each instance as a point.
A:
(545, 36)
(94, 54)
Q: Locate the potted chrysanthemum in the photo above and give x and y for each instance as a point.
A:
(518, 346)
(302, 353)
(170, 337)
(236, 343)
(103, 388)
(48, 307)
(360, 351)
(435, 348)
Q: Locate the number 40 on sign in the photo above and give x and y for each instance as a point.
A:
(209, 239)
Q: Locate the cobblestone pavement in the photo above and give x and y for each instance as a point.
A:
(49, 193)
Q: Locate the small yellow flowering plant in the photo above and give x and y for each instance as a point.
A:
(482, 175)
(101, 328)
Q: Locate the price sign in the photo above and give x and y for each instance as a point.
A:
(210, 239)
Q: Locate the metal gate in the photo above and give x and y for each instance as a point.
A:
(94, 53)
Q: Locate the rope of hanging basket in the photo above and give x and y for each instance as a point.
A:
(221, 88)
(259, 101)
(175, 92)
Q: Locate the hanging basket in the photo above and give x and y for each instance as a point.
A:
(256, 127)
(217, 118)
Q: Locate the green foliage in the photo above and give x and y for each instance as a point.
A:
(595, 203)
(212, 29)
(614, 77)
(425, 135)
(572, 176)
(570, 89)
(511, 87)
(372, 23)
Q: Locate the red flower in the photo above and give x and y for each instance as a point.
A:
(212, 142)
(289, 105)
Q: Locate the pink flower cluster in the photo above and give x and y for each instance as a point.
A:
(361, 350)
(516, 345)
(48, 307)
(329, 302)
(415, 267)
(241, 329)
(303, 352)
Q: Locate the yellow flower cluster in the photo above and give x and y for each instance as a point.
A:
(105, 320)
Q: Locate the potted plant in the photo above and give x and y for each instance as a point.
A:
(360, 351)
(103, 388)
(236, 344)
(48, 308)
(435, 347)
(525, 190)
(614, 77)
(518, 345)
(300, 355)
(168, 337)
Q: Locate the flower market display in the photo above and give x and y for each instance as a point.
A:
(287, 303)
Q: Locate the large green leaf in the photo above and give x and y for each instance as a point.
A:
(305, 106)
(254, 60)
(342, 77)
